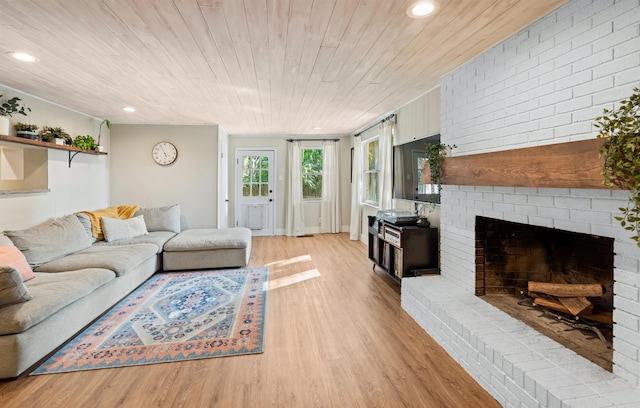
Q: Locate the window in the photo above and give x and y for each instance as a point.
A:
(312, 174)
(371, 171)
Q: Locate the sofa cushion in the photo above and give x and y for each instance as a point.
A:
(161, 218)
(52, 240)
(11, 256)
(51, 292)
(12, 289)
(118, 259)
(158, 238)
(206, 239)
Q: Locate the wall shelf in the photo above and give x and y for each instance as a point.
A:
(73, 151)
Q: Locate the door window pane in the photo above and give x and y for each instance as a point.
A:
(254, 174)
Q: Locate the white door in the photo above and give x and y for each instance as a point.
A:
(255, 190)
(223, 183)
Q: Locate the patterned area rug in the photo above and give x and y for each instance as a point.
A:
(173, 317)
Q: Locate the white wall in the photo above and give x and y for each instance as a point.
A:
(191, 181)
(84, 186)
(279, 143)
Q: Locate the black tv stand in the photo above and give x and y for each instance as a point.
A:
(403, 250)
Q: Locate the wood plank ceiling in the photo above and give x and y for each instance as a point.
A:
(252, 66)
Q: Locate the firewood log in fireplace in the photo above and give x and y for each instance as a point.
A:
(565, 290)
(601, 317)
(577, 305)
(570, 298)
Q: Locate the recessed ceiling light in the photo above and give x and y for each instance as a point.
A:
(317, 128)
(423, 8)
(129, 109)
(21, 56)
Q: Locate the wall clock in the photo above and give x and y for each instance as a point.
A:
(164, 153)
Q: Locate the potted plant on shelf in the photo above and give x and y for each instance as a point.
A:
(9, 108)
(26, 130)
(85, 142)
(620, 130)
(55, 134)
(107, 123)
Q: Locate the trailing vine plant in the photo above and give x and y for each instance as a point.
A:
(621, 150)
(85, 142)
(435, 154)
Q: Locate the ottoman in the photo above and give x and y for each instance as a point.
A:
(207, 249)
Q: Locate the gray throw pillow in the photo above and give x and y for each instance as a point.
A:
(52, 240)
(12, 289)
(86, 223)
(115, 229)
(161, 218)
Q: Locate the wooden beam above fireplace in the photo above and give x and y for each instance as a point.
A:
(560, 165)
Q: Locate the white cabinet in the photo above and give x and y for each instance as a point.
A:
(419, 118)
(433, 123)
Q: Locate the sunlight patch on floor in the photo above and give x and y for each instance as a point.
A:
(290, 280)
(289, 261)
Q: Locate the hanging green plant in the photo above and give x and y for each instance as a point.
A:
(435, 154)
(621, 149)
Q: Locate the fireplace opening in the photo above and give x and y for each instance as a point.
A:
(563, 268)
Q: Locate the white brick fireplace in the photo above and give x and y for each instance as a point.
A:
(543, 85)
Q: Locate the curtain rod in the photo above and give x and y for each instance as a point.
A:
(375, 124)
(312, 140)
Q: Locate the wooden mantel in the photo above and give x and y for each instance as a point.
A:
(561, 165)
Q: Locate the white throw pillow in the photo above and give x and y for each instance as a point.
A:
(115, 229)
(137, 225)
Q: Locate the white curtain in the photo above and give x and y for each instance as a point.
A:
(295, 216)
(330, 204)
(385, 163)
(356, 190)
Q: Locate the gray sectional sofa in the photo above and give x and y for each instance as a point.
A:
(76, 280)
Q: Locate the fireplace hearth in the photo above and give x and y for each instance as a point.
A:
(509, 255)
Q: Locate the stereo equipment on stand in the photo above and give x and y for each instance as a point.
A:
(403, 250)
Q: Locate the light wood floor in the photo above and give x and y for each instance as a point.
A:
(336, 336)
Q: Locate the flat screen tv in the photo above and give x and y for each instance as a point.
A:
(411, 179)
